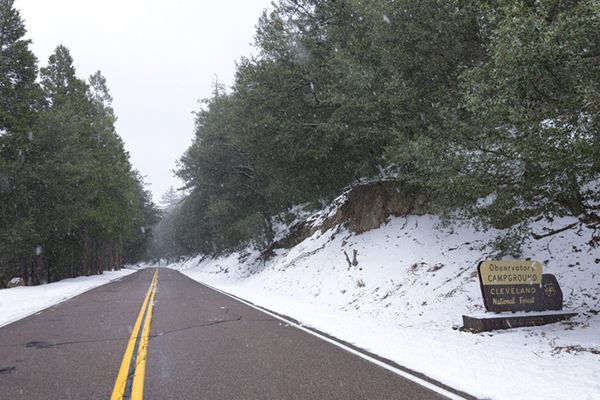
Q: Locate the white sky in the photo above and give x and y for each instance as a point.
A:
(159, 58)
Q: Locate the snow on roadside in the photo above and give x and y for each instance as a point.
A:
(406, 295)
(20, 302)
(403, 300)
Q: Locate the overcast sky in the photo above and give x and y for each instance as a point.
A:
(159, 58)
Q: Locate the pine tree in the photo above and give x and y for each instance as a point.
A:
(69, 200)
(138, 246)
(169, 199)
(18, 73)
(19, 94)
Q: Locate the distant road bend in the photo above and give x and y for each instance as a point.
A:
(157, 334)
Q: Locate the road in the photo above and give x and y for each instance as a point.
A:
(173, 338)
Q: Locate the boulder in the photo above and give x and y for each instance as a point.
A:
(14, 282)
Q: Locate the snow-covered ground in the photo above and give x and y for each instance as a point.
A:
(20, 302)
(403, 300)
(406, 296)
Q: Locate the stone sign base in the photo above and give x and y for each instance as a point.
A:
(507, 322)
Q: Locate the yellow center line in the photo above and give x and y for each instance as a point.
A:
(137, 388)
(140, 363)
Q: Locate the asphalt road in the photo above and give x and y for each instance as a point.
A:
(201, 344)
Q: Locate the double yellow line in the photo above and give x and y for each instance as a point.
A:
(130, 381)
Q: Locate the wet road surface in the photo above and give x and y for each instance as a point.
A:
(201, 344)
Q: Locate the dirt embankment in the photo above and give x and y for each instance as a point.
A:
(361, 209)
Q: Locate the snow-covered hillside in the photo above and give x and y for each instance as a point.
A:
(404, 296)
(400, 292)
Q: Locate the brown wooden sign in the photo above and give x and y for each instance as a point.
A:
(518, 286)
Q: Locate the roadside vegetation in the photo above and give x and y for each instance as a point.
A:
(486, 109)
(70, 202)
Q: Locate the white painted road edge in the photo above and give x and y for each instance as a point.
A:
(397, 371)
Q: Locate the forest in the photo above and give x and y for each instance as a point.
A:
(70, 202)
(488, 109)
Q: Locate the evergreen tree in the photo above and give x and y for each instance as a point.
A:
(169, 199)
(529, 136)
(419, 48)
(62, 161)
(457, 100)
(73, 203)
(301, 133)
(192, 230)
(217, 168)
(115, 206)
(19, 94)
(18, 73)
(138, 246)
(338, 92)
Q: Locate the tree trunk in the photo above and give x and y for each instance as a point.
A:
(93, 258)
(270, 234)
(111, 263)
(86, 251)
(23, 271)
(100, 261)
(49, 272)
(118, 258)
(38, 268)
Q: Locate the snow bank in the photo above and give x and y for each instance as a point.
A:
(406, 292)
(20, 302)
